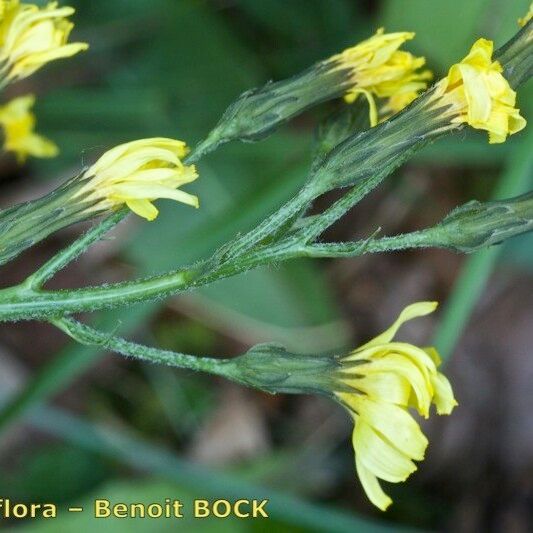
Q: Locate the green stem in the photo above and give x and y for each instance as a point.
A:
(272, 224)
(90, 336)
(21, 302)
(204, 147)
(340, 207)
(64, 257)
(416, 239)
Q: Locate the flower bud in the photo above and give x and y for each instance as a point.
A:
(133, 174)
(270, 367)
(476, 225)
(372, 68)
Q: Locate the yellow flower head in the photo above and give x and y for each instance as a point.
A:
(476, 93)
(31, 36)
(137, 173)
(378, 383)
(527, 17)
(380, 69)
(18, 122)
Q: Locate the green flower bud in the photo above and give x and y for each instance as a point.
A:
(271, 368)
(24, 225)
(378, 151)
(477, 225)
(372, 68)
(258, 112)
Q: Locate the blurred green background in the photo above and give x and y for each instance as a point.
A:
(78, 423)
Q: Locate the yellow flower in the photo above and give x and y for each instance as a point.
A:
(18, 122)
(396, 103)
(380, 69)
(477, 93)
(31, 36)
(527, 17)
(377, 383)
(137, 173)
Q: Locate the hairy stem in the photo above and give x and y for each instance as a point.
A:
(359, 161)
(64, 257)
(90, 336)
(21, 302)
(271, 225)
(416, 239)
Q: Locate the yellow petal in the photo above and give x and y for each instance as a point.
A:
(137, 173)
(143, 208)
(31, 36)
(379, 456)
(379, 68)
(352, 95)
(391, 387)
(131, 162)
(477, 95)
(411, 311)
(443, 398)
(18, 122)
(372, 487)
(476, 92)
(394, 423)
(165, 176)
(178, 148)
(516, 122)
(139, 191)
(400, 365)
(499, 89)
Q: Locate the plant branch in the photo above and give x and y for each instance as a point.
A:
(86, 335)
(69, 254)
(20, 303)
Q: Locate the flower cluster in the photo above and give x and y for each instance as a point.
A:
(380, 69)
(475, 92)
(30, 37)
(384, 383)
(378, 383)
(137, 173)
(18, 122)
